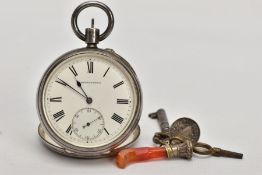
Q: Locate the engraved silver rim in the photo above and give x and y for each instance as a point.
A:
(54, 147)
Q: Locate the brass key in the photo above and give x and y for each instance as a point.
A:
(205, 149)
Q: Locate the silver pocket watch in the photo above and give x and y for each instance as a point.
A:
(89, 100)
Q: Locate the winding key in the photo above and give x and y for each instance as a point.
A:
(160, 115)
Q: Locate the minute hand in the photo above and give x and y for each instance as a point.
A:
(66, 84)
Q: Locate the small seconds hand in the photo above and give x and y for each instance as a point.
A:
(88, 123)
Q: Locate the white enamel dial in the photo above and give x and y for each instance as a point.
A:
(89, 100)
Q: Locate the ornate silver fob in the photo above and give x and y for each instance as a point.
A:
(89, 100)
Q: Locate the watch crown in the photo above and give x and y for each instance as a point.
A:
(92, 35)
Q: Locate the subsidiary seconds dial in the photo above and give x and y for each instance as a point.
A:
(89, 100)
(88, 124)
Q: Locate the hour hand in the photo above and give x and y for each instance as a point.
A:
(89, 100)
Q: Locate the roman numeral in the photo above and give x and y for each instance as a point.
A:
(117, 118)
(61, 82)
(118, 84)
(56, 99)
(90, 67)
(122, 101)
(69, 130)
(59, 115)
(73, 70)
(106, 72)
(106, 131)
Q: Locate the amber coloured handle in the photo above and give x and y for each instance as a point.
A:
(132, 155)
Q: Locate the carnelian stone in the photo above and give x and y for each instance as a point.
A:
(130, 155)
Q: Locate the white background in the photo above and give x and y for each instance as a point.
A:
(194, 58)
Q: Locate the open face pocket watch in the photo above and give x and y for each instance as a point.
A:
(89, 100)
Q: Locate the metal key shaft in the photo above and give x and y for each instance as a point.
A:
(206, 149)
(160, 115)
